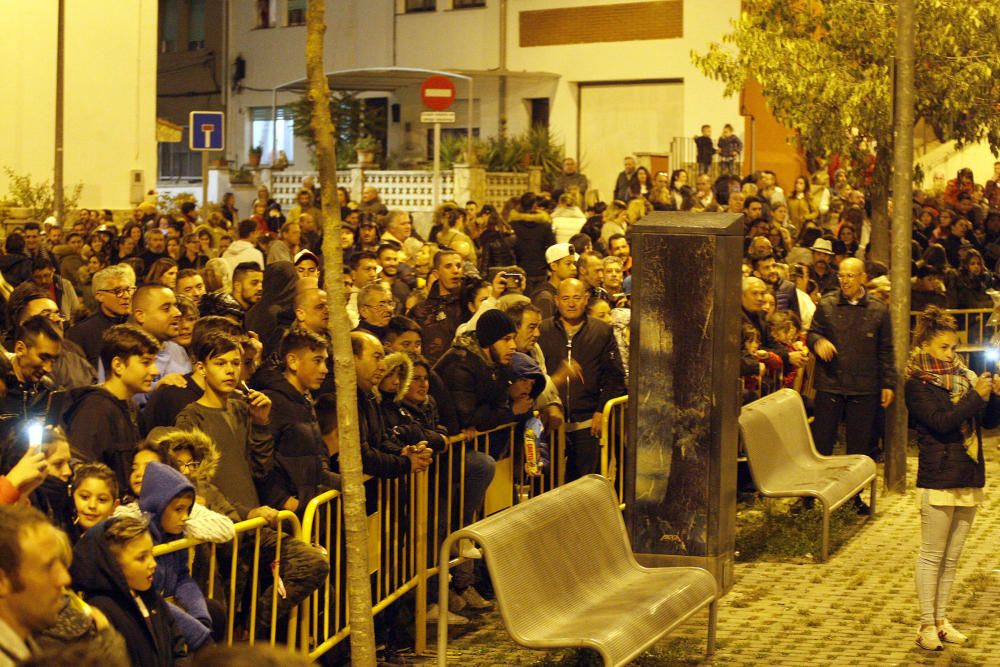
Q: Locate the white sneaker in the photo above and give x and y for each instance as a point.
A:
(434, 611)
(475, 600)
(468, 551)
(949, 635)
(928, 639)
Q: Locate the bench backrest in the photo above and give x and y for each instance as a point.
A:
(777, 438)
(549, 555)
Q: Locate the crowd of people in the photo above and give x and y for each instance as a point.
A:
(174, 376)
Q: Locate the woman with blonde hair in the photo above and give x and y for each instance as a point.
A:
(217, 276)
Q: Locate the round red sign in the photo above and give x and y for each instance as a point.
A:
(437, 93)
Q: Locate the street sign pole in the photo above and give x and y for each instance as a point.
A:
(204, 177)
(437, 165)
(206, 133)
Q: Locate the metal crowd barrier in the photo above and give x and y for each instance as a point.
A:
(285, 518)
(974, 328)
(408, 518)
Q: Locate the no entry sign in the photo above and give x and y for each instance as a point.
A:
(437, 93)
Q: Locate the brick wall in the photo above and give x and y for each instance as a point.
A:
(663, 19)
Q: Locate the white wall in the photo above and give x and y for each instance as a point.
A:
(110, 94)
(367, 33)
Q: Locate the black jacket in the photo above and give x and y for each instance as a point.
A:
(405, 422)
(166, 402)
(96, 574)
(438, 316)
(595, 349)
(26, 400)
(103, 429)
(87, 334)
(380, 454)
(477, 385)
(944, 463)
(496, 249)
(534, 235)
(862, 334)
(16, 269)
(299, 449)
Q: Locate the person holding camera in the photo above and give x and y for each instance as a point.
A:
(949, 406)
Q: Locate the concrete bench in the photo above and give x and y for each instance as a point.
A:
(784, 461)
(565, 576)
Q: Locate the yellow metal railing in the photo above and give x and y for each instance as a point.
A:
(408, 519)
(974, 329)
(286, 519)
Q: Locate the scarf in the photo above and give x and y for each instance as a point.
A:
(955, 378)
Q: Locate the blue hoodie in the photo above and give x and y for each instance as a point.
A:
(160, 485)
(523, 366)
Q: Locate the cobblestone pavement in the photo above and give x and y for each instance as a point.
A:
(859, 608)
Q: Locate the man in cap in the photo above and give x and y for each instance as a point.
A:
(561, 259)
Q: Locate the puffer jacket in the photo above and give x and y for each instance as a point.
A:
(943, 462)
(438, 316)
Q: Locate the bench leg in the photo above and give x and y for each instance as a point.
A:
(713, 613)
(825, 548)
(442, 643)
(874, 494)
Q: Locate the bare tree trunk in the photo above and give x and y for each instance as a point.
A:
(880, 205)
(902, 230)
(355, 519)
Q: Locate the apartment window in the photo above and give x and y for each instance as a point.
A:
(267, 10)
(263, 132)
(466, 4)
(296, 12)
(420, 6)
(168, 26)
(196, 24)
(178, 162)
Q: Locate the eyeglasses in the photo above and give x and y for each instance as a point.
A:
(189, 466)
(119, 291)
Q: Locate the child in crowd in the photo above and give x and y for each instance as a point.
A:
(113, 568)
(730, 148)
(95, 496)
(787, 331)
(706, 150)
(102, 422)
(754, 362)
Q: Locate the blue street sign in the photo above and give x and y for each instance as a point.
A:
(205, 131)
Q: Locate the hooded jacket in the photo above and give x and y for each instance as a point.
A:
(160, 485)
(399, 419)
(96, 574)
(299, 449)
(477, 385)
(104, 429)
(273, 314)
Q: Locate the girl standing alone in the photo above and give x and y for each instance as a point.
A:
(949, 405)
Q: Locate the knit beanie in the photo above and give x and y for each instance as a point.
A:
(492, 326)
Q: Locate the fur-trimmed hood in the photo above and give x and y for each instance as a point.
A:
(205, 451)
(400, 360)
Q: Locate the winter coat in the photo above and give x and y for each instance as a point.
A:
(381, 456)
(496, 249)
(87, 334)
(104, 429)
(166, 402)
(862, 334)
(299, 450)
(160, 485)
(400, 420)
(477, 385)
(943, 462)
(273, 314)
(152, 642)
(594, 347)
(438, 316)
(534, 236)
(15, 269)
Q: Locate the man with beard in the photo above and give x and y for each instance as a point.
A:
(29, 390)
(766, 268)
(155, 311)
(248, 284)
(390, 256)
(440, 314)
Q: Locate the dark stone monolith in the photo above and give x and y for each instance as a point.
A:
(684, 404)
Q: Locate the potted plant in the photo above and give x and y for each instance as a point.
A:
(366, 146)
(255, 154)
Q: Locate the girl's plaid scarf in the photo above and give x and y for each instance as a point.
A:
(954, 377)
